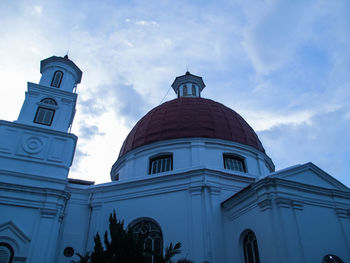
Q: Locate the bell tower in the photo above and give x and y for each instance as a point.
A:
(51, 103)
(38, 145)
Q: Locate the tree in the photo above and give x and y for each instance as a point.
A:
(170, 252)
(123, 246)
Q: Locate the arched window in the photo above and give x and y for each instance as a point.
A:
(193, 90)
(250, 247)
(233, 162)
(331, 259)
(57, 78)
(6, 253)
(152, 236)
(185, 91)
(45, 112)
(160, 164)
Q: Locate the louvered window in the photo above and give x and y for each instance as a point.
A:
(193, 90)
(232, 162)
(45, 112)
(161, 164)
(185, 91)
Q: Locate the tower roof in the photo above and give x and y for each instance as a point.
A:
(188, 78)
(64, 60)
(191, 117)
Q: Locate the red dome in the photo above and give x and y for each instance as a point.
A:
(190, 117)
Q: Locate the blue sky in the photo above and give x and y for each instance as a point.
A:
(283, 65)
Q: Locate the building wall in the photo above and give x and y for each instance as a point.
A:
(292, 222)
(185, 205)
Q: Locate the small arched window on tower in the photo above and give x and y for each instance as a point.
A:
(235, 163)
(57, 78)
(185, 91)
(6, 253)
(250, 247)
(152, 236)
(193, 90)
(45, 112)
(161, 163)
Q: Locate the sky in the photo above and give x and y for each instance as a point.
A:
(284, 66)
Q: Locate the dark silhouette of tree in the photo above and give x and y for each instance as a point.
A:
(170, 252)
(123, 246)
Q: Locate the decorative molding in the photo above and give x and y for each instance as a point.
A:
(195, 190)
(66, 101)
(43, 90)
(342, 212)
(282, 202)
(48, 212)
(265, 204)
(32, 144)
(19, 259)
(297, 205)
(215, 190)
(15, 230)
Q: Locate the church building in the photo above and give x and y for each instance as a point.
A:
(191, 170)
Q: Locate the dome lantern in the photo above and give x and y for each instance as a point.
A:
(188, 85)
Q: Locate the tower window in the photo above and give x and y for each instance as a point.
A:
(46, 111)
(161, 164)
(250, 247)
(185, 91)
(152, 236)
(6, 253)
(193, 90)
(57, 78)
(232, 162)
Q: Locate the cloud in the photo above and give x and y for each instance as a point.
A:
(78, 157)
(92, 106)
(87, 132)
(276, 30)
(324, 140)
(279, 64)
(146, 23)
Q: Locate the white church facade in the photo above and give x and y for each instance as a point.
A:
(191, 171)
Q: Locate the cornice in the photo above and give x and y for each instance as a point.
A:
(269, 191)
(193, 181)
(33, 87)
(38, 129)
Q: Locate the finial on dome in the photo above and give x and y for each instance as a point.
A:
(188, 85)
(66, 56)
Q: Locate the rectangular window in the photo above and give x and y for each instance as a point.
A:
(235, 163)
(161, 164)
(44, 116)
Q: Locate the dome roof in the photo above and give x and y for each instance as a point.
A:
(191, 117)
